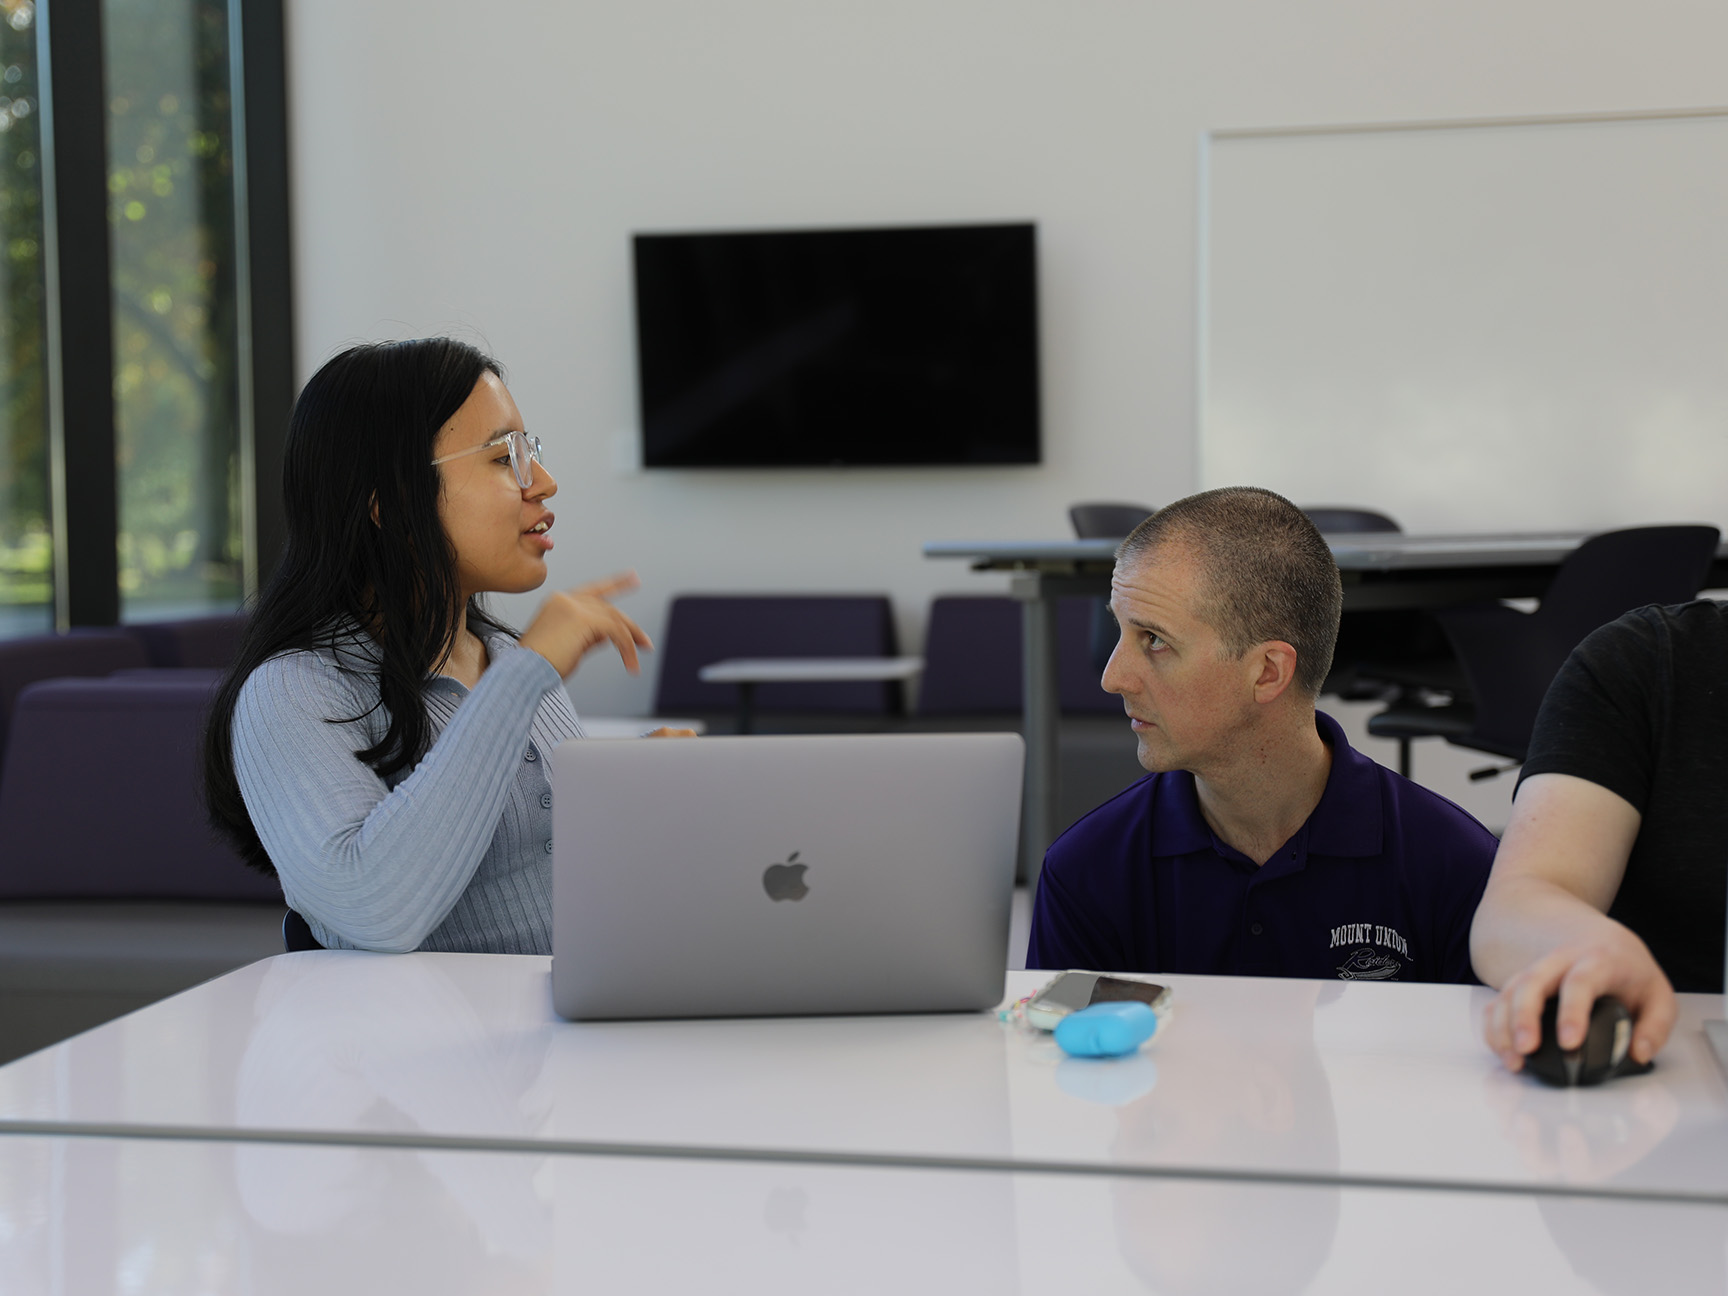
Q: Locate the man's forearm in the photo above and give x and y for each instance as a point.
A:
(1521, 919)
(1558, 870)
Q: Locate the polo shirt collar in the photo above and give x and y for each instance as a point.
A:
(1178, 827)
(1347, 822)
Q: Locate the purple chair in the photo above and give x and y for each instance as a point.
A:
(101, 796)
(705, 628)
(82, 653)
(1077, 674)
(203, 641)
(972, 656)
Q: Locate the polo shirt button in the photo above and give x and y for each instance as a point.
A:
(530, 755)
(548, 845)
(546, 800)
(1256, 928)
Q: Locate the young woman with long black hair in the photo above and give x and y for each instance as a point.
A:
(380, 743)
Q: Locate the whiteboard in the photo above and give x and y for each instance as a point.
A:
(1502, 326)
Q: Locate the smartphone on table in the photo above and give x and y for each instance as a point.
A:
(1071, 991)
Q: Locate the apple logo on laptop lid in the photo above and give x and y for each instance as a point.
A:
(786, 881)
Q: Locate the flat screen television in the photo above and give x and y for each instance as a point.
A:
(854, 347)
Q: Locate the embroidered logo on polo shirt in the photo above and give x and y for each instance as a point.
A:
(1367, 963)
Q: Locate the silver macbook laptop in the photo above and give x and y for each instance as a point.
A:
(733, 877)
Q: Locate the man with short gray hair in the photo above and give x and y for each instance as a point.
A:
(1259, 844)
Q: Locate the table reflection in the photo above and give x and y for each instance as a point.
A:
(1626, 1133)
(419, 1051)
(415, 1049)
(1222, 1098)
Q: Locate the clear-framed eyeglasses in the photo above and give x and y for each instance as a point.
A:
(524, 454)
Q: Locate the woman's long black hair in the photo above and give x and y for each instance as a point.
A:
(360, 440)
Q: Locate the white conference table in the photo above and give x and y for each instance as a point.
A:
(1277, 1082)
(83, 1215)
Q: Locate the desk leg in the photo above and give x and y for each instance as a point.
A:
(746, 707)
(1043, 712)
(1717, 1033)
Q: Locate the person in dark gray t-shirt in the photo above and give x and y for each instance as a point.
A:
(1612, 877)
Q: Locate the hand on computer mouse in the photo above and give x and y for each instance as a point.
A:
(1604, 1053)
(1609, 960)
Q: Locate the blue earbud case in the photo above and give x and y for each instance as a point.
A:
(1106, 1029)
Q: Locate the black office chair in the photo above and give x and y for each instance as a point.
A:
(1381, 655)
(1336, 520)
(1509, 658)
(297, 934)
(1103, 521)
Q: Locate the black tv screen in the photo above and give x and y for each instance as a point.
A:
(838, 347)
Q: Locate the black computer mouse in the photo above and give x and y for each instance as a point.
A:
(1605, 1053)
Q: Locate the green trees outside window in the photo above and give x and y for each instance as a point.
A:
(171, 213)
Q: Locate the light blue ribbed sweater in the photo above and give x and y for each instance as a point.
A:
(454, 854)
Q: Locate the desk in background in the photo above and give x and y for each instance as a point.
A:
(748, 672)
(1381, 573)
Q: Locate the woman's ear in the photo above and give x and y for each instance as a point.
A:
(374, 508)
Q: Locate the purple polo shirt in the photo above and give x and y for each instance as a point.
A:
(1379, 885)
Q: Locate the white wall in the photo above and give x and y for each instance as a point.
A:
(480, 168)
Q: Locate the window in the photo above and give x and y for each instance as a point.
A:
(171, 212)
(145, 374)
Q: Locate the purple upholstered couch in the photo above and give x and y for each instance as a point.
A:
(113, 890)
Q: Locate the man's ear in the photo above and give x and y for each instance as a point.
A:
(1276, 662)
